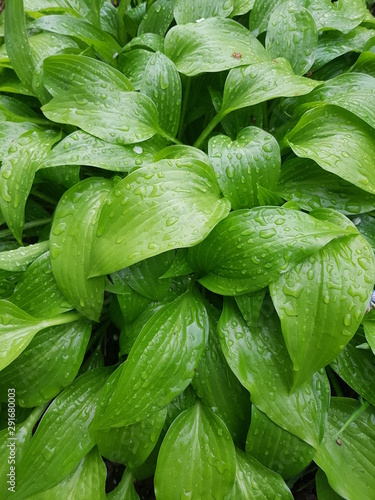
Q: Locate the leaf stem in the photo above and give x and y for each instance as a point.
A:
(63, 319)
(354, 416)
(29, 225)
(169, 137)
(184, 108)
(210, 127)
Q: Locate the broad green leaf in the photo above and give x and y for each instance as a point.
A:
(131, 445)
(158, 18)
(160, 365)
(125, 490)
(110, 20)
(357, 368)
(108, 113)
(148, 41)
(133, 64)
(162, 84)
(369, 328)
(64, 72)
(304, 182)
(260, 360)
(322, 300)
(20, 258)
(251, 160)
(241, 7)
(253, 480)
(88, 9)
(366, 226)
(250, 306)
(212, 45)
(219, 388)
(73, 229)
(48, 364)
(14, 110)
(292, 33)
(250, 248)
(81, 148)
(142, 218)
(10, 83)
(261, 14)
(350, 468)
(180, 266)
(177, 151)
(197, 457)
(62, 438)
(365, 64)
(24, 158)
(131, 303)
(337, 141)
(17, 329)
(86, 481)
(260, 82)
(190, 11)
(276, 448)
(103, 42)
(323, 489)
(9, 131)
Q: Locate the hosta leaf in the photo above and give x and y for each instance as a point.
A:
(131, 445)
(133, 64)
(179, 332)
(73, 229)
(196, 458)
(158, 18)
(322, 300)
(18, 171)
(125, 490)
(339, 142)
(250, 248)
(292, 34)
(19, 258)
(88, 9)
(365, 64)
(259, 359)
(369, 328)
(212, 45)
(276, 448)
(142, 218)
(366, 226)
(251, 160)
(49, 363)
(349, 467)
(62, 438)
(250, 306)
(9, 132)
(261, 14)
(17, 329)
(323, 489)
(148, 41)
(103, 42)
(108, 113)
(303, 181)
(253, 480)
(241, 7)
(162, 84)
(190, 11)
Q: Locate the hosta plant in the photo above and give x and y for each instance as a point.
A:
(187, 196)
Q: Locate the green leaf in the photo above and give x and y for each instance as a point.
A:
(253, 480)
(350, 468)
(88, 9)
(103, 42)
(365, 64)
(49, 364)
(337, 141)
(142, 218)
(304, 182)
(196, 458)
(162, 84)
(190, 11)
(125, 490)
(292, 33)
(241, 7)
(73, 229)
(131, 445)
(17, 329)
(108, 113)
(260, 360)
(20, 258)
(133, 65)
(148, 41)
(261, 14)
(9, 131)
(250, 306)
(24, 158)
(212, 45)
(160, 365)
(62, 438)
(180, 265)
(369, 328)
(276, 448)
(250, 248)
(158, 18)
(251, 160)
(323, 489)
(366, 226)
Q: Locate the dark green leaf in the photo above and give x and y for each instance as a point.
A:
(190, 11)
(125, 490)
(158, 18)
(133, 65)
(323, 489)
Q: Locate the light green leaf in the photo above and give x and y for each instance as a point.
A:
(276, 448)
(125, 490)
(14, 110)
(158, 18)
(180, 266)
(20, 258)
(73, 229)
(241, 7)
(261, 14)
(251, 160)
(88, 9)
(196, 458)
(365, 64)
(178, 151)
(343, 15)
(338, 142)
(142, 218)
(18, 170)
(160, 365)
(250, 248)
(323, 489)
(62, 438)
(292, 34)
(190, 11)
(108, 113)
(260, 360)
(148, 41)
(369, 328)
(9, 131)
(253, 480)
(49, 364)
(133, 65)
(17, 329)
(350, 468)
(162, 84)
(212, 45)
(365, 224)
(250, 306)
